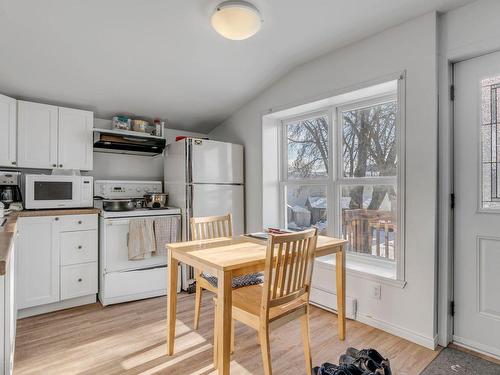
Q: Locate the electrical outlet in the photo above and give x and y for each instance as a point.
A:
(377, 291)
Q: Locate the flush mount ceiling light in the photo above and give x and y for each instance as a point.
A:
(236, 20)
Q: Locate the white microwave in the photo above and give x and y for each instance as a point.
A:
(55, 191)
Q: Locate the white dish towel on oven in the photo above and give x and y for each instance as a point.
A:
(167, 230)
(141, 239)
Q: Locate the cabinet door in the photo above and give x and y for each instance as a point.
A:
(38, 261)
(37, 135)
(8, 142)
(75, 139)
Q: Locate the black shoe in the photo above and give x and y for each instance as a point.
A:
(326, 369)
(363, 363)
(383, 363)
(348, 369)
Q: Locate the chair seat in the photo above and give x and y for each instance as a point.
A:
(239, 281)
(249, 299)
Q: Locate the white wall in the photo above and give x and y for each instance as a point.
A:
(466, 32)
(410, 311)
(132, 167)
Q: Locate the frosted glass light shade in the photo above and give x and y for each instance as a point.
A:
(236, 20)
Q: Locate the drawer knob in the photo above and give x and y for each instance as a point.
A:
(80, 280)
(56, 219)
(79, 221)
(79, 246)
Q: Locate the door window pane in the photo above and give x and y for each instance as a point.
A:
(490, 157)
(369, 144)
(307, 148)
(369, 219)
(306, 207)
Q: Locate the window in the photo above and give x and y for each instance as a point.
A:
(341, 173)
(490, 192)
(368, 176)
(306, 172)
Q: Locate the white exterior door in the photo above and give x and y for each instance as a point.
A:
(75, 139)
(477, 210)
(213, 200)
(37, 135)
(37, 261)
(216, 162)
(8, 125)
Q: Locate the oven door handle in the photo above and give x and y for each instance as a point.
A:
(117, 222)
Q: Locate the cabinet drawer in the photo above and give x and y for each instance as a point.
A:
(78, 280)
(71, 223)
(78, 247)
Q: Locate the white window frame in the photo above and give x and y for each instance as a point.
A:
(335, 179)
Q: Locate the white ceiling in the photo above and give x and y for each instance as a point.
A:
(161, 58)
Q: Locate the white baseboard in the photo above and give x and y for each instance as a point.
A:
(477, 347)
(66, 304)
(417, 338)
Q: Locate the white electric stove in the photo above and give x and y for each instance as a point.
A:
(121, 279)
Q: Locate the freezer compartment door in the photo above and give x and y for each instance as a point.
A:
(216, 162)
(213, 200)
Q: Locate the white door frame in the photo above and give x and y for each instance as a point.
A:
(446, 60)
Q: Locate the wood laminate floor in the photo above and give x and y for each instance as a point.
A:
(130, 338)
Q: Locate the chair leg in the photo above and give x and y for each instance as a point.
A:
(197, 306)
(232, 336)
(215, 336)
(265, 350)
(307, 342)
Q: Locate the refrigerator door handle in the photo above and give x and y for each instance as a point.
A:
(189, 210)
(189, 159)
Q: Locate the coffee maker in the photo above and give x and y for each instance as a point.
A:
(10, 192)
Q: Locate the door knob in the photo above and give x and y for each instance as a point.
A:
(79, 221)
(60, 165)
(13, 163)
(54, 165)
(80, 280)
(79, 246)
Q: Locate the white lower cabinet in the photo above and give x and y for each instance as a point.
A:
(8, 314)
(57, 261)
(78, 280)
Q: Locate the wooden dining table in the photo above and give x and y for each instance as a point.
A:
(226, 258)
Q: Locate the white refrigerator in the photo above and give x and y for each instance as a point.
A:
(205, 178)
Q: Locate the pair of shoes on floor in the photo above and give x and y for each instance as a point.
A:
(357, 362)
(368, 360)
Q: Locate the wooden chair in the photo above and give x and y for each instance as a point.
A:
(203, 228)
(283, 297)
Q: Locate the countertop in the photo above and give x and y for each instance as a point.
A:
(9, 230)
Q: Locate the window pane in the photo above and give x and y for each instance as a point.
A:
(307, 144)
(369, 219)
(369, 141)
(490, 157)
(306, 207)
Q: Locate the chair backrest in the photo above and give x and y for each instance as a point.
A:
(288, 270)
(204, 228)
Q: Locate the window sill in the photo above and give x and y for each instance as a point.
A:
(380, 271)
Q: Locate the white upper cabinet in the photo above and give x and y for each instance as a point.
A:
(8, 116)
(75, 139)
(54, 137)
(37, 135)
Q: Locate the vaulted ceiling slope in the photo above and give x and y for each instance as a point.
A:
(161, 58)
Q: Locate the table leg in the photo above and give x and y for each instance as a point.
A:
(341, 297)
(224, 319)
(172, 269)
